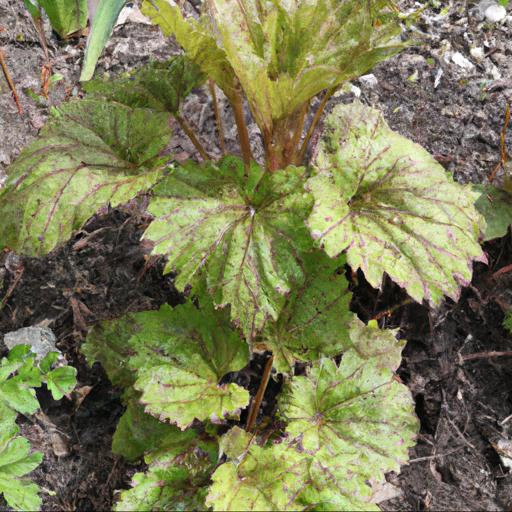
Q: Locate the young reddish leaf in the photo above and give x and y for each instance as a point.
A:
(385, 201)
(90, 154)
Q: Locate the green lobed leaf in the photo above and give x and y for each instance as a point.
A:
(286, 52)
(246, 234)
(66, 16)
(16, 461)
(315, 320)
(176, 359)
(507, 323)
(355, 419)
(347, 426)
(89, 154)
(393, 209)
(161, 86)
(104, 20)
(176, 481)
(61, 381)
(496, 207)
(196, 38)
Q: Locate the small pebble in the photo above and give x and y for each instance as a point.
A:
(495, 13)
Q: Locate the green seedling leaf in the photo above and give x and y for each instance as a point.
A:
(265, 479)
(177, 358)
(316, 317)
(15, 462)
(161, 86)
(17, 379)
(104, 20)
(286, 52)
(90, 154)
(196, 38)
(66, 16)
(496, 207)
(175, 481)
(385, 201)
(61, 381)
(245, 233)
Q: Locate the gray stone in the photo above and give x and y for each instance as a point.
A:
(41, 339)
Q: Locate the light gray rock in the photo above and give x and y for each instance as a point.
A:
(41, 339)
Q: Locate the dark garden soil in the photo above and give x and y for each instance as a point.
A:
(462, 388)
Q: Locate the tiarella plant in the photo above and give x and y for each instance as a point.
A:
(20, 373)
(260, 249)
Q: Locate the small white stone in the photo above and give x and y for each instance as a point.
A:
(369, 80)
(462, 61)
(477, 53)
(495, 13)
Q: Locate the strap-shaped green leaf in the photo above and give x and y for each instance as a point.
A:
(347, 426)
(196, 38)
(102, 24)
(177, 358)
(393, 209)
(161, 86)
(496, 206)
(246, 233)
(15, 462)
(286, 52)
(316, 317)
(89, 154)
(175, 481)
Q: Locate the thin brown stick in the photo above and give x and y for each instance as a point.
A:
(7, 296)
(503, 155)
(256, 403)
(191, 135)
(314, 123)
(218, 118)
(485, 355)
(430, 457)
(10, 82)
(243, 133)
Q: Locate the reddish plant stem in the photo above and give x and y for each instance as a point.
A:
(191, 135)
(502, 270)
(218, 118)
(3, 64)
(256, 403)
(243, 134)
(314, 123)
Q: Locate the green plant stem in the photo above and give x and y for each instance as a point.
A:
(243, 133)
(256, 403)
(314, 123)
(191, 135)
(218, 118)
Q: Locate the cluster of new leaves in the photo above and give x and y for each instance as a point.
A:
(282, 53)
(20, 373)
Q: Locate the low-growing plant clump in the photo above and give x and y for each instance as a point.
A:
(260, 250)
